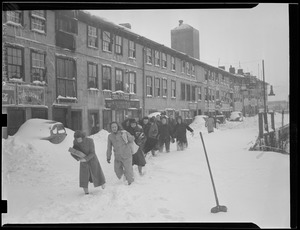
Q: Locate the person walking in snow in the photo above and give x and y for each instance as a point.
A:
(180, 134)
(90, 169)
(172, 123)
(138, 157)
(210, 123)
(119, 140)
(151, 135)
(165, 135)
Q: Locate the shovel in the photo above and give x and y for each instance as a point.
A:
(218, 208)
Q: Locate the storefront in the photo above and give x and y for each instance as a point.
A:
(20, 103)
(118, 106)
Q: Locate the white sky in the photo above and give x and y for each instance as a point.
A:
(238, 37)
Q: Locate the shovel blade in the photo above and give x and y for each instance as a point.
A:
(219, 208)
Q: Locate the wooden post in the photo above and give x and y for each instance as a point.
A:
(260, 124)
(282, 121)
(272, 120)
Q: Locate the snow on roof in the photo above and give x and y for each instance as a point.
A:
(183, 26)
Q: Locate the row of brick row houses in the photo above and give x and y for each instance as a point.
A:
(84, 71)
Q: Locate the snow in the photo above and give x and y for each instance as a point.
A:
(41, 184)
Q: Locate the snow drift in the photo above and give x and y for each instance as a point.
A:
(41, 185)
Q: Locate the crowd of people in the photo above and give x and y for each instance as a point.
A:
(130, 141)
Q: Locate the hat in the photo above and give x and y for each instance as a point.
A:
(78, 134)
(132, 120)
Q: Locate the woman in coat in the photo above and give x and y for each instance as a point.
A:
(90, 169)
(151, 135)
(138, 157)
(180, 134)
(119, 140)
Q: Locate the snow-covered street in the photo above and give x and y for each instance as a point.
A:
(41, 182)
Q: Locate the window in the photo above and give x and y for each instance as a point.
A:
(106, 77)
(164, 60)
(193, 69)
(37, 66)
(92, 76)
(132, 82)
(193, 93)
(188, 70)
(206, 75)
(212, 94)
(107, 41)
(217, 94)
(157, 58)
(118, 47)
(149, 86)
(15, 16)
(213, 76)
(15, 63)
(188, 92)
(131, 49)
(119, 80)
(182, 91)
(182, 66)
(199, 94)
(66, 77)
(157, 87)
(149, 56)
(164, 88)
(173, 64)
(173, 89)
(92, 36)
(67, 24)
(38, 20)
(206, 94)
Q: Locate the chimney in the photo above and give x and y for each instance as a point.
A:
(127, 25)
(240, 71)
(180, 22)
(231, 70)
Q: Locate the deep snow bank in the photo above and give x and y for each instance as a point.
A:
(42, 186)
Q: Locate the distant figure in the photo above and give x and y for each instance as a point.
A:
(90, 169)
(151, 132)
(119, 139)
(180, 134)
(165, 135)
(210, 123)
(172, 123)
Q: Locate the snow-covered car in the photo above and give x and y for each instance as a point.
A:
(155, 114)
(199, 120)
(236, 116)
(43, 129)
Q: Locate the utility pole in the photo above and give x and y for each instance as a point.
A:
(265, 106)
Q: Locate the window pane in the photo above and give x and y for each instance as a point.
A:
(70, 87)
(61, 87)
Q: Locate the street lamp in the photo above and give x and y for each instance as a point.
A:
(271, 91)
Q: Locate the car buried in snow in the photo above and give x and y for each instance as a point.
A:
(43, 129)
(236, 116)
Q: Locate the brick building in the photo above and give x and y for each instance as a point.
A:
(85, 72)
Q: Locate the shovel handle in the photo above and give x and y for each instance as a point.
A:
(211, 177)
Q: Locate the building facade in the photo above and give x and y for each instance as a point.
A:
(83, 71)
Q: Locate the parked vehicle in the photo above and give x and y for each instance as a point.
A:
(43, 129)
(236, 116)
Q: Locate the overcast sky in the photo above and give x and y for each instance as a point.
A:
(238, 37)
